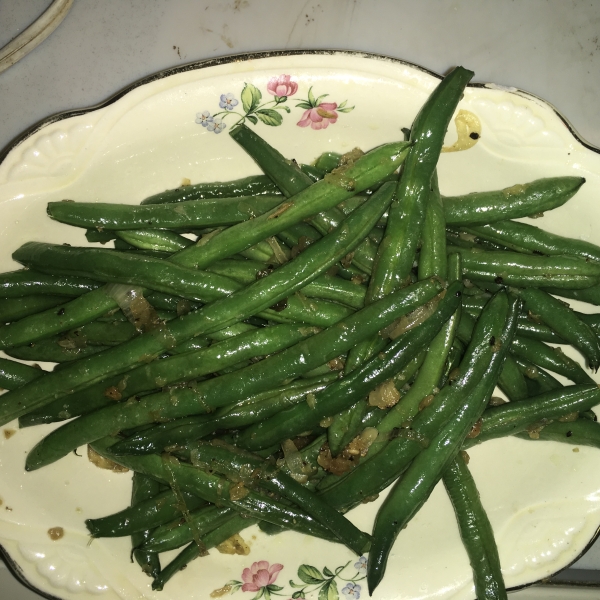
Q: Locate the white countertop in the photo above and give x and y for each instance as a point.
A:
(550, 48)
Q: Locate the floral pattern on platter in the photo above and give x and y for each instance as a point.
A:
(317, 113)
(260, 577)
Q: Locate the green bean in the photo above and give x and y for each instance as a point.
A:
(290, 277)
(166, 277)
(428, 377)
(143, 488)
(344, 392)
(475, 531)
(581, 432)
(521, 200)
(51, 351)
(327, 161)
(183, 215)
(255, 185)
(511, 381)
(210, 540)
(77, 312)
(529, 239)
(417, 482)
(547, 357)
(523, 270)
(155, 239)
(590, 294)
(172, 370)
(403, 444)
(462, 239)
(251, 410)
(508, 419)
(319, 196)
(15, 374)
(177, 533)
(537, 380)
(325, 287)
(252, 471)
(28, 305)
(565, 322)
(292, 180)
(527, 325)
(285, 174)
(25, 282)
(398, 249)
(225, 389)
(432, 258)
(148, 514)
(215, 490)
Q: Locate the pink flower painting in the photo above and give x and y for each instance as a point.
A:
(282, 86)
(320, 116)
(259, 575)
(251, 108)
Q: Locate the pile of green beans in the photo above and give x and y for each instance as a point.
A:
(277, 349)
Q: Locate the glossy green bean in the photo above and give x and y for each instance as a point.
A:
(344, 392)
(318, 197)
(524, 270)
(172, 370)
(398, 249)
(251, 410)
(226, 389)
(180, 532)
(215, 490)
(315, 260)
(150, 513)
(416, 484)
(17, 284)
(143, 488)
(509, 419)
(210, 540)
(529, 239)
(14, 374)
(155, 239)
(475, 531)
(182, 215)
(252, 471)
(432, 257)
(582, 432)
(521, 200)
(405, 442)
(565, 322)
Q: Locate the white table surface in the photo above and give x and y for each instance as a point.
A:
(550, 48)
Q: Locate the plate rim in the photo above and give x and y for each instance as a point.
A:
(246, 56)
(11, 564)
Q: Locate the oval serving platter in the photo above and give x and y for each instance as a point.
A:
(543, 499)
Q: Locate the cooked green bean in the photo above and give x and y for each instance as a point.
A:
(416, 484)
(226, 389)
(183, 215)
(318, 197)
(147, 514)
(565, 322)
(475, 531)
(143, 488)
(251, 471)
(524, 270)
(523, 237)
(244, 413)
(315, 260)
(344, 392)
(521, 200)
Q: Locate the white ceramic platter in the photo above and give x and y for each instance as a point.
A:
(543, 499)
